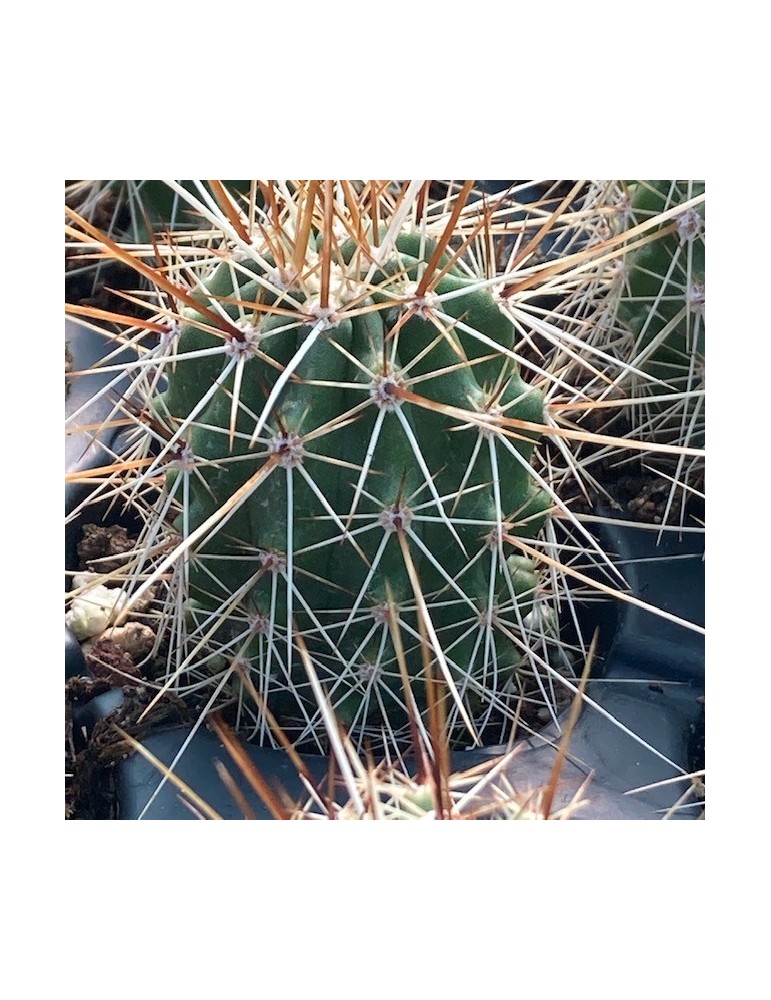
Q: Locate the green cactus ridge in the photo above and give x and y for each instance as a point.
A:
(358, 476)
(662, 304)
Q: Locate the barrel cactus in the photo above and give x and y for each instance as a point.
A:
(335, 407)
(352, 405)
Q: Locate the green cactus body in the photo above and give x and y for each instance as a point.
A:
(663, 301)
(359, 474)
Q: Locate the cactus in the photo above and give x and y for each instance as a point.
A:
(661, 305)
(336, 405)
(364, 492)
(663, 302)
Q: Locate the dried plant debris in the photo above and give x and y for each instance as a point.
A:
(100, 545)
(77, 691)
(90, 789)
(134, 639)
(106, 659)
